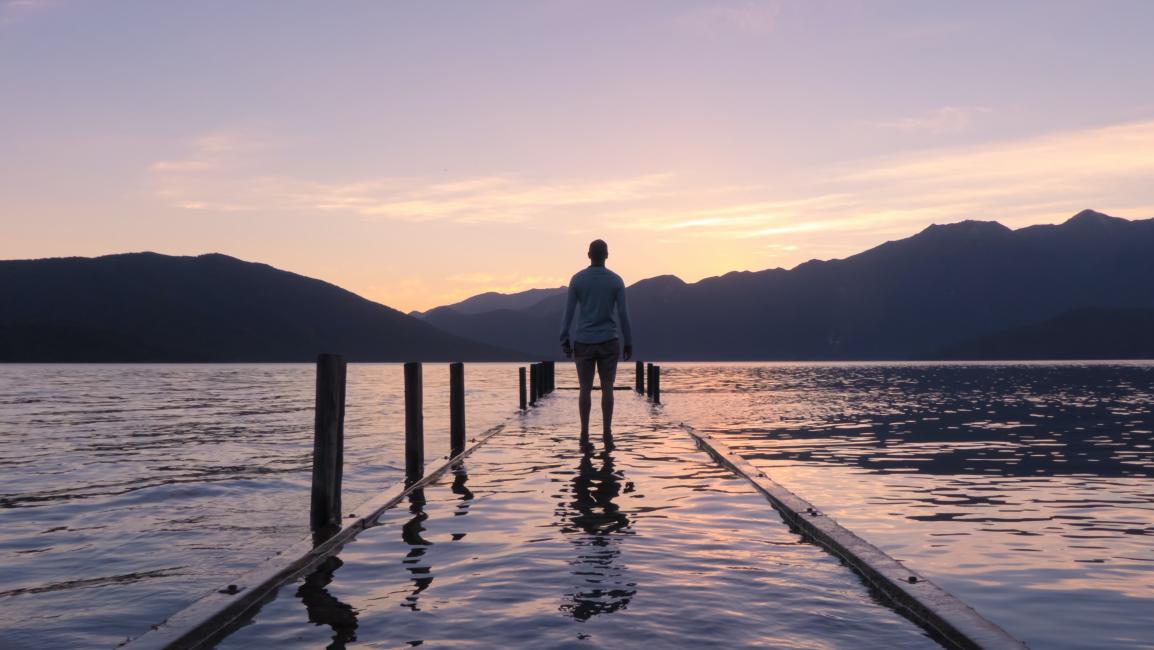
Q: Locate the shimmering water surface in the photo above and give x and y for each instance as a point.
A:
(540, 542)
(1025, 489)
(127, 491)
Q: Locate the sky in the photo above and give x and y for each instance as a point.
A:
(418, 153)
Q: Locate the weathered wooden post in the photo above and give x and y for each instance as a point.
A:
(328, 442)
(656, 384)
(456, 408)
(534, 385)
(521, 379)
(639, 378)
(414, 422)
(649, 380)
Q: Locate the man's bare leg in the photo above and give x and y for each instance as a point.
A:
(607, 371)
(585, 370)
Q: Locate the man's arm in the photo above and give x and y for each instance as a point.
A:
(567, 321)
(623, 321)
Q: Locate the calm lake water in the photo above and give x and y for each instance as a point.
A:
(539, 541)
(1025, 489)
(127, 491)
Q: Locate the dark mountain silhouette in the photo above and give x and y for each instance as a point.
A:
(150, 307)
(492, 301)
(904, 299)
(534, 333)
(536, 329)
(1101, 333)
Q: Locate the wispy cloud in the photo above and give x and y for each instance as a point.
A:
(1019, 181)
(218, 173)
(12, 10)
(750, 17)
(947, 119)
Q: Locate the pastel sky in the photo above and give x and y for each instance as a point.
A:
(421, 152)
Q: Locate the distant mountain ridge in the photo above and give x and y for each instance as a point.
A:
(962, 290)
(492, 301)
(152, 307)
(1090, 333)
(905, 299)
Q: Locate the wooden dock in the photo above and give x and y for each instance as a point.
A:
(533, 537)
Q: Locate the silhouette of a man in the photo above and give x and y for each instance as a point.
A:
(595, 345)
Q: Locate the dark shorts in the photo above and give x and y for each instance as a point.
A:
(610, 349)
(600, 357)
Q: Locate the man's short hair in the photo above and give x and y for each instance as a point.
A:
(598, 249)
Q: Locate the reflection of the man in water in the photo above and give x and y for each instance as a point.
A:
(596, 524)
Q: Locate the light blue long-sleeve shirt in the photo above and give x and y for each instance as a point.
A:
(598, 290)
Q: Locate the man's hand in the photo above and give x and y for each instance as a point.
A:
(567, 349)
(628, 352)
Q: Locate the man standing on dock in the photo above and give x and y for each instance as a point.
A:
(595, 345)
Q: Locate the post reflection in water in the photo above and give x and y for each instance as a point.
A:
(325, 609)
(597, 524)
(416, 560)
(411, 534)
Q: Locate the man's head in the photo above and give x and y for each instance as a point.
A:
(598, 251)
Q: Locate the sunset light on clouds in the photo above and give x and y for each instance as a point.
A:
(421, 153)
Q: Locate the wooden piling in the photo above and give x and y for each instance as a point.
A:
(456, 408)
(521, 379)
(639, 377)
(328, 443)
(656, 384)
(414, 422)
(649, 380)
(534, 384)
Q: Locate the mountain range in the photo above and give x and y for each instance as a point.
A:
(915, 298)
(150, 307)
(974, 289)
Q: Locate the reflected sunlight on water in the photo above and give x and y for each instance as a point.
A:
(1023, 488)
(538, 541)
(128, 491)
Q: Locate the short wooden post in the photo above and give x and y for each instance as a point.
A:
(534, 385)
(639, 378)
(521, 379)
(414, 422)
(456, 408)
(649, 380)
(328, 442)
(656, 384)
